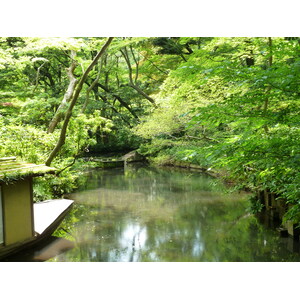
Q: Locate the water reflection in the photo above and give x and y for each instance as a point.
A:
(148, 214)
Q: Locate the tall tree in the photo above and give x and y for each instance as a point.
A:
(68, 115)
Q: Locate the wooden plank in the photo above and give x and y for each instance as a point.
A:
(47, 212)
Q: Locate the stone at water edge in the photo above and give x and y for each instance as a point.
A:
(133, 156)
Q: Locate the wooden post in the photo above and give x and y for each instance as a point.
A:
(266, 198)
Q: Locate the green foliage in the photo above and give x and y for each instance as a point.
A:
(166, 121)
(230, 104)
(38, 111)
(243, 111)
(25, 142)
(255, 205)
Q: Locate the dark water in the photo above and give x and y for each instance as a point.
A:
(165, 215)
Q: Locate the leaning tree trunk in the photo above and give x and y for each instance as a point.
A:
(60, 112)
(141, 92)
(122, 102)
(62, 137)
(90, 88)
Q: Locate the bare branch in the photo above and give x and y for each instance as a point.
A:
(38, 75)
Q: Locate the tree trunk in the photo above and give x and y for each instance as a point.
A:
(104, 99)
(60, 112)
(38, 75)
(131, 81)
(90, 88)
(141, 92)
(62, 137)
(270, 43)
(122, 102)
(266, 103)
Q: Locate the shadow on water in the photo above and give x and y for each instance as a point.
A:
(50, 248)
(162, 214)
(271, 223)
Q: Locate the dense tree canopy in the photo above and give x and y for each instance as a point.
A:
(227, 104)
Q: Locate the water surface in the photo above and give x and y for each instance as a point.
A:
(140, 214)
(166, 215)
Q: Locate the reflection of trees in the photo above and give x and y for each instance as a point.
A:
(142, 179)
(165, 216)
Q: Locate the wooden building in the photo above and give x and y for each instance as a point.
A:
(22, 223)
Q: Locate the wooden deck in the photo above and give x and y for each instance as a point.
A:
(49, 212)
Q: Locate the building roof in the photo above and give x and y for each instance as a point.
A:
(12, 169)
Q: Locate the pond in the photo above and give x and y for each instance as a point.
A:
(147, 214)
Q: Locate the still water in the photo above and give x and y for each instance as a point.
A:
(142, 214)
